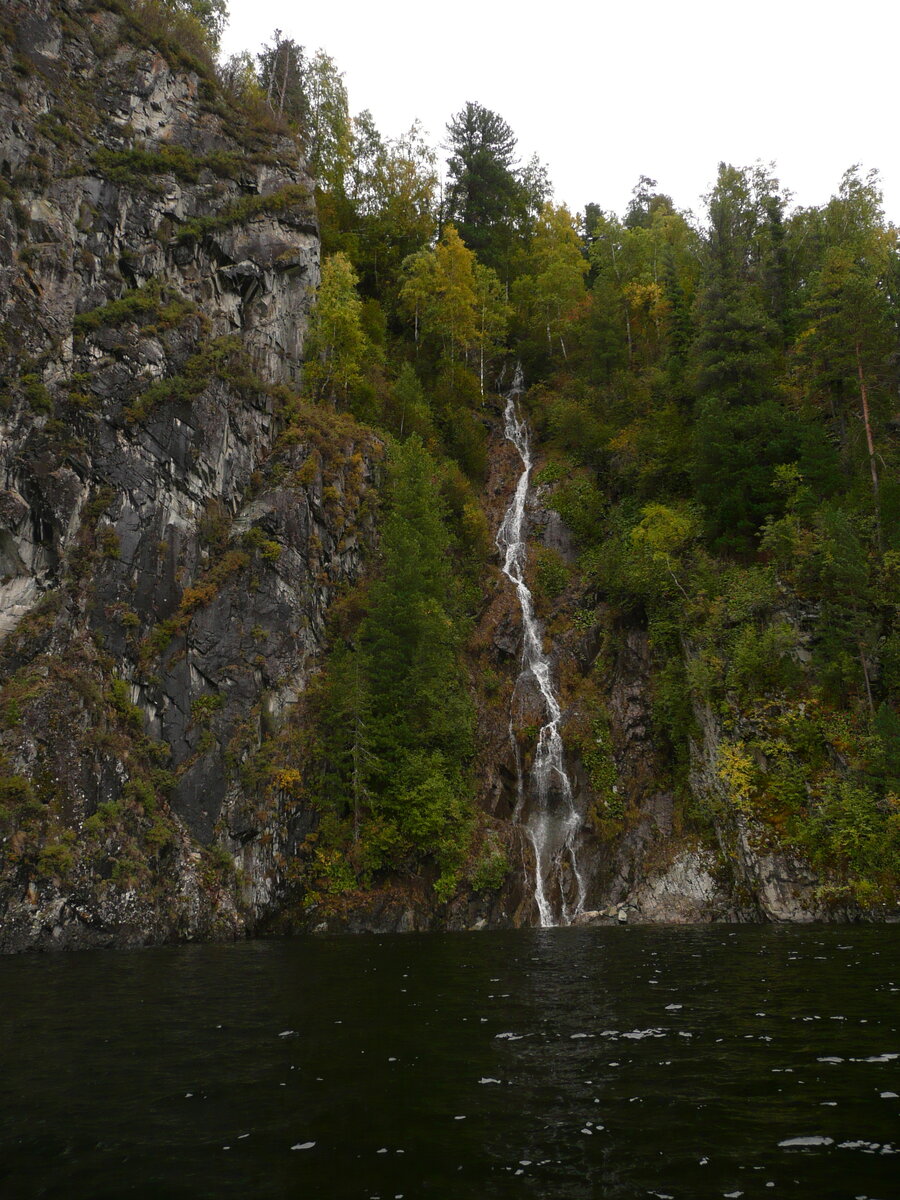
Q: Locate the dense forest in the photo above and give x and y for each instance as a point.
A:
(718, 403)
(715, 400)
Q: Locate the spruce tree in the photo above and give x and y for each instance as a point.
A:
(742, 430)
(422, 718)
(484, 195)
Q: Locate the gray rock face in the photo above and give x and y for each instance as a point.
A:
(689, 889)
(173, 527)
(109, 151)
(98, 148)
(776, 885)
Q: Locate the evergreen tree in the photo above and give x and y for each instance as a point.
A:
(681, 326)
(348, 762)
(484, 195)
(742, 430)
(776, 283)
(408, 632)
(644, 204)
(535, 190)
(310, 94)
(847, 352)
(282, 76)
(422, 715)
(647, 271)
(412, 414)
(846, 348)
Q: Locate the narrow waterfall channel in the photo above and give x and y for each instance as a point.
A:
(546, 807)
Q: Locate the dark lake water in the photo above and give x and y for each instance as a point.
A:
(684, 1063)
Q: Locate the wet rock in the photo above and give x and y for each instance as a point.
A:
(507, 639)
(590, 917)
(13, 510)
(556, 536)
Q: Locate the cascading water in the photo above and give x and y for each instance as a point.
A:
(551, 819)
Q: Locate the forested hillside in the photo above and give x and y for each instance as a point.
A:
(717, 400)
(250, 507)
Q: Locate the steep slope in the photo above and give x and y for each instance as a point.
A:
(174, 525)
(658, 840)
(669, 833)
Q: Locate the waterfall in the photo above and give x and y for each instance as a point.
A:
(550, 818)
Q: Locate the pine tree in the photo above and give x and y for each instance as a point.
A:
(348, 761)
(846, 353)
(282, 72)
(681, 326)
(412, 414)
(409, 630)
(484, 195)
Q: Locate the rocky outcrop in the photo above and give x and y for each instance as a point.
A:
(119, 167)
(775, 884)
(173, 522)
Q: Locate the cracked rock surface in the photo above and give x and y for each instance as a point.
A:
(172, 530)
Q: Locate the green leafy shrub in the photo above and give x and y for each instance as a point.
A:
(492, 866)
(153, 302)
(761, 660)
(15, 791)
(217, 359)
(119, 697)
(552, 573)
(36, 394)
(203, 707)
(56, 859)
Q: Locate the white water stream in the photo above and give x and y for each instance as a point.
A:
(551, 820)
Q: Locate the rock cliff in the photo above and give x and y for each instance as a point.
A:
(173, 524)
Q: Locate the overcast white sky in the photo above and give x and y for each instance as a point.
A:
(607, 92)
